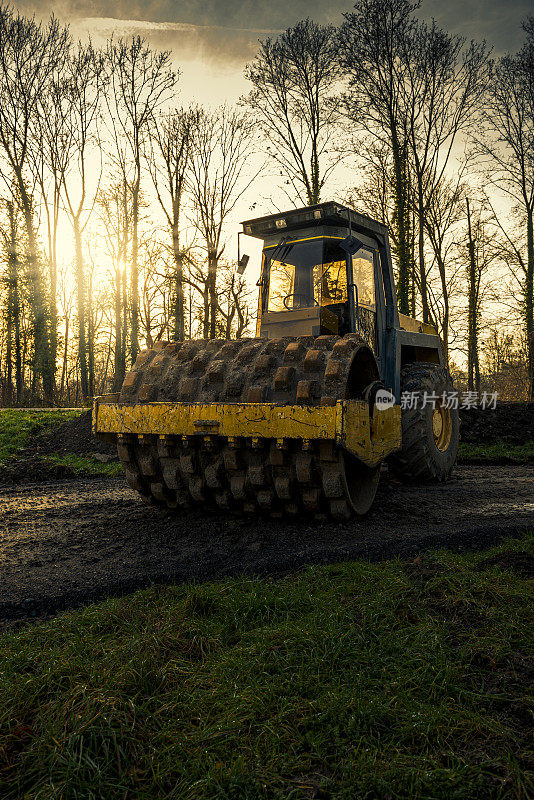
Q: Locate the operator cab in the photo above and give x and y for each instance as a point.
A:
(311, 274)
(319, 273)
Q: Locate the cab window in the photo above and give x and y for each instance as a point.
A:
(291, 270)
(331, 276)
(306, 273)
(364, 277)
(281, 283)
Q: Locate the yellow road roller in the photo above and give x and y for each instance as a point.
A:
(299, 420)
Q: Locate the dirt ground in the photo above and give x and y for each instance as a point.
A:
(65, 543)
(508, 422)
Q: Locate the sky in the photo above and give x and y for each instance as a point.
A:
(212, 40)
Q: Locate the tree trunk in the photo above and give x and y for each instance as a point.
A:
(445, 328)
(206, 320)
(230, 312)
(178, 305)
(53, 278)
(212, 287)
(80, 292)
(124, 316)
(90, 340)
(413, 291)
(52, 271)
(190, 311)
(124, 334)
(64, 368)
(24, 343)
(102, 388)
(43, 365)
(421, 250)
(8, 398)
(315, 191)
(472, 326)
(241, 324)
(401, 219)
(529, 302)
(119, 363)
(135, 270)
(15, 300)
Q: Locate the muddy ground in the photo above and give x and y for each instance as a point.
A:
(65, 543)
(512, 423)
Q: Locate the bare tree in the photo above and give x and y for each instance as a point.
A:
(30, 53)
(504, 365)
(11, 247)
(415, 88)
(154, 283)
(141, 80)
(49, 156)
(376, 195)
(473, 281)
(173, 137)
(114, 207)
(444, 210)
(375, 191)
(221, 144)
(297, 106)
(444, 86)
(235, 299)
(82, 86)
(66, 296)
(509, 243)
(372, 50)
(480, 255)
(508, 150)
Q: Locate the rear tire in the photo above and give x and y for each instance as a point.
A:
(430, 436)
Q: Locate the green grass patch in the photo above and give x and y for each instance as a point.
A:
(497, 453)
(17, 428)
(357, 680)
(84, 465)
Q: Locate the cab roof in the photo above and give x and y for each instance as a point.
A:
(329, 213)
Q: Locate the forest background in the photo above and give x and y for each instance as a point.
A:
(126, 166)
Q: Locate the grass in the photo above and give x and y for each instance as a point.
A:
(357, 680)
(84, 465)
(17, 428)
(497, 453)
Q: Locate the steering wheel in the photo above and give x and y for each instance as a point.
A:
(315, 303)
(287, 297)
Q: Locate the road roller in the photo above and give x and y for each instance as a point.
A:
(298, 421)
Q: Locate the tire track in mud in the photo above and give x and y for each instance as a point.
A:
(66, 543)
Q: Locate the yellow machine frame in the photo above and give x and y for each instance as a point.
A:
(348, 423)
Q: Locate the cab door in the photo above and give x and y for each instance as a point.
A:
(362, 269)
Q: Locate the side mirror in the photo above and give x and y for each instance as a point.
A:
(242, 264)
(351, 245)
(242, 260)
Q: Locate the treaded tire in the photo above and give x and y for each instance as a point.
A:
(240, 474)
(422, 458)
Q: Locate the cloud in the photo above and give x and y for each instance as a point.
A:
(232, 46)
(112, 23)
(241, 14)
(228, 30)
(499, 23)
(193, 32)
